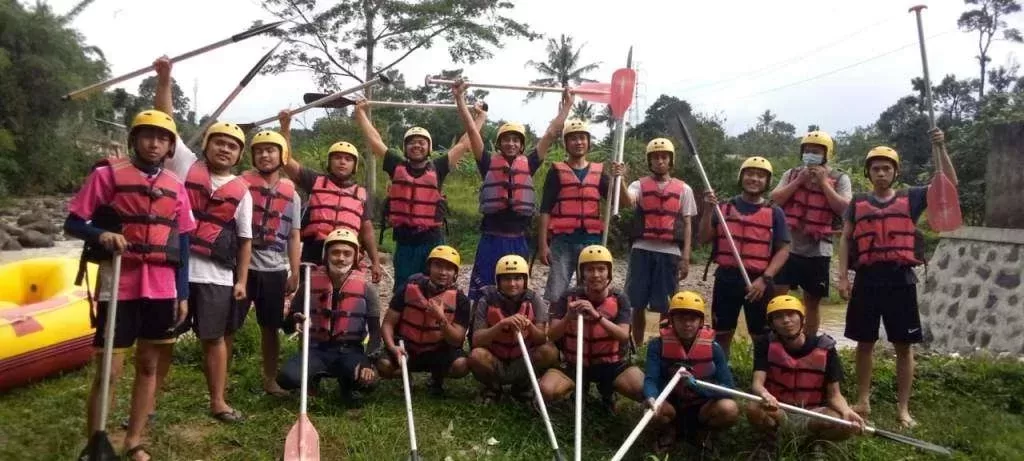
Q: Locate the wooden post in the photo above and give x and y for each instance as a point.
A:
(1004, 183)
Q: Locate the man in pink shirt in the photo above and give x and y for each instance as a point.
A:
(134, 207)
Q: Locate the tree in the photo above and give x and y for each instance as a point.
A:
(658, 117)
(562, 66)
(583, 110)
(987, 20)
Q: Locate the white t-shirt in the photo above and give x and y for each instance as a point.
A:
(202, 269)
(688, 208)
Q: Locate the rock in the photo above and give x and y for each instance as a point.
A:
(983, 272)
(53, 203)
(4, 238)
(45, 227)
(32, 217)
(35, 239)
(12, 245)
(1008, 279)
(10, 229)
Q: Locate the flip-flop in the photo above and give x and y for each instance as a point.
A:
(906, 423)
(129, 455)
(231, 416)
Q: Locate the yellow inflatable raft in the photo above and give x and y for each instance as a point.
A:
(44, 320)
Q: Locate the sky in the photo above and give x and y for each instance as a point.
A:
(837, 64)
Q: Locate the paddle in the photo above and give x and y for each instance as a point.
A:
(578, 435)
(99, 447)
(77, 94)
(813, 414)
(380, 79)
(595, 92)
(648, 415)
(345, 102)
(623, 82)
(303, 442)
(414, 454)
(943, 200)
(231, 97)
(540, 398)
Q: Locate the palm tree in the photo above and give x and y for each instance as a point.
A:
(606, 117)
(583, 110)
(562, 66)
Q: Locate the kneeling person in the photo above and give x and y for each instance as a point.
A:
(431, 315)
(503, 310)
(343, 310)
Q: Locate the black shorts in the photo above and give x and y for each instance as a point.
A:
(810, 274)
(435, 361)
(602, 374)
(726, 301)
(150, 320)
(895, 306)
(213, 310)
(266, 291)
(688, 417)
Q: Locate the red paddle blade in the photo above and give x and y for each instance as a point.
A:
(303, 442)
(623, 82)
(943, 205)
(595, 92)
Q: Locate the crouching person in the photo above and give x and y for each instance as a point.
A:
(343, 309)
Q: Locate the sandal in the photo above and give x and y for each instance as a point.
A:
(129, 455)
(906, 423)
(230, 416)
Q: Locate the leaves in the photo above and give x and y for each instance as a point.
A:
(562, 67)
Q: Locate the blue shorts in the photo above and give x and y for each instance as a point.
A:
(651, 279)
(488, 251)
(411, 259)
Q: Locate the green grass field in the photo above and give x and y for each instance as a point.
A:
(972, 406)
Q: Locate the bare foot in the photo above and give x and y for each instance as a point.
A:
(862, 409)
(906, 421)
(272, 388)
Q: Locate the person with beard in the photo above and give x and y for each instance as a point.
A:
(504, 309)
(416, 208)
(660, 254)
(606, 314)
(759, 231)
(800, 370)
(431, 315)
(881, 244)
(686, 340)
(570, 210)
(345, 308)
(336, 200)
(153, 287)
(221, 245)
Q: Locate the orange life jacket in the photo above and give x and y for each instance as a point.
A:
(659, 211)
(505, 346)
(338, 320)
(421, 331)
(598, 345)
(753, 237)
(270, 205)
(699, 359)
(885, 235)
(508, 186)
(332, 206)
(214, 211)
(578, 205)
(808, 209)
(415, 202)
(799, 382)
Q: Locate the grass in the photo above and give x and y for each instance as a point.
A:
(972, 406)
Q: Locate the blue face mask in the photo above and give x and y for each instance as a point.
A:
(813, 159)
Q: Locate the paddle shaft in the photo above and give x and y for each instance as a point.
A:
(415, 105)
(578, 435)
(547, 89)
(303, 399)
(924, 66)
(648, 415)
(408, 396)
(325, 100)
(108, 343)
(612, 206)
(536, 391)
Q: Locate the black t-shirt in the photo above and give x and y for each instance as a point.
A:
(441, 165)
(552, 186)
(561, 307)
(506, 221)
(833, 368)
(889, 274)
(463, 308)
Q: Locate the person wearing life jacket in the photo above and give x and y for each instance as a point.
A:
(606, 314)
(881, 244)
(506, 308)
(570, 210)
(797, 369)
(416, 206)
(431, 316)
(685, 340)
(335, 200)
(813, 197)
(152, 297)
(659, 257)
(344, 309)
(221, 245)
(759, 231)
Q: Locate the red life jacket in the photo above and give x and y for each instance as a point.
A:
(598, 345)
(415, 202)
(270, 205)
(214, 211)
(508, 186)
(884, 235)
(331, 206)
(799, 382)
(700, 359)
(753, 237)
(505, 346)
(808, 209)
(578, 205)
(421, 331)
(338, 320)
(659, 211)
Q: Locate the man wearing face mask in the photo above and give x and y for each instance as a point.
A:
(344, 308)
(416, 208)
(814, 196)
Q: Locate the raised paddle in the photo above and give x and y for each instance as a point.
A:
(623, 82)
(595, 92)
(345, 102)
(99, 447)
(303, 442)
(928, 446)
(231, 97)
(78, 94)
(943, 200)
(540, 398)
(648, 415)
(403, 359)
(380, 79)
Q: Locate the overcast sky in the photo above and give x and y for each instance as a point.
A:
(731, 58)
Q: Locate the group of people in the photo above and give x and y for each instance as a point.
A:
(200, 246)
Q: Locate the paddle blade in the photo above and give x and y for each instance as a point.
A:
(303, 442)
(679, 130)
(98, 449)
(943, 205)
(927, 446)
(595, 92)
(623, 82)
(339, 103)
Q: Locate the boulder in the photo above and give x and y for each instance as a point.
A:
(12, 245)
(35, 239)
(32, 217)
(10, 229)
(4, 238)
(45, 227)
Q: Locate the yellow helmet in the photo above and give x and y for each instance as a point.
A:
(445, 253)
(156, 119)
(660, 145)
(594, 254)
(341, 235)
(512, 127)
(785, 303)
(882, 152)
(275, 138)
(687, 301)
(344, 147)
(820, 138)
(227, 129)
(509, 265)
(575, 126)
(760, 163)
(419, 131)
